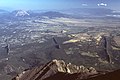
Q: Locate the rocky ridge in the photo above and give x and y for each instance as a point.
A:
(58, 68)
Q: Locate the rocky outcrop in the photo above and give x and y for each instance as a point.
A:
(57, 68)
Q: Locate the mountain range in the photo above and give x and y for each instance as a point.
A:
(75, 12)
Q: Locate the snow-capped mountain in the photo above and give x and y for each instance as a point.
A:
(20, 13)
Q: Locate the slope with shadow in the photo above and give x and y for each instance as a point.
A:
(59, 70)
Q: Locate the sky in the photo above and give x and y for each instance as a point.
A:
(58, 4)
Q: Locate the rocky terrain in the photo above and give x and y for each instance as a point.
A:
(59, 70)
(34, 38)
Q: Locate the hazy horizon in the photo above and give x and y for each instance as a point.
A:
(57, 4)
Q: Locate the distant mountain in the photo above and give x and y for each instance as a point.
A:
(52, 14)
(67, 13)
(37, 11)
(33, 13)
(3, 11)
(88, 12)
(20, 13)
(4, 14)
(114, 14)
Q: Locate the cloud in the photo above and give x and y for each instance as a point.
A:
(102, 4)
(84, 5)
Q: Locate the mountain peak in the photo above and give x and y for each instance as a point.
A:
(56, 67)
(20, 13)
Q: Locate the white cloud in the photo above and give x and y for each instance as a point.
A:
(84, 5)
(102, 4)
